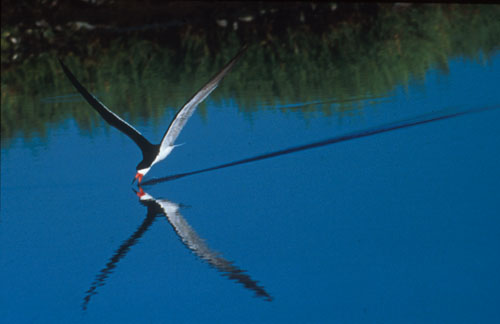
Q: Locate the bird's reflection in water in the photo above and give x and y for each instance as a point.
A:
(163, 207)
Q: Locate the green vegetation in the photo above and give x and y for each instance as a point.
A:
(358, 57)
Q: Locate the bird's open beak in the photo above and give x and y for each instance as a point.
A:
(138, 177)
(140, 193)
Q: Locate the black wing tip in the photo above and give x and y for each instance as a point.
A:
(242, 51)
(60, 61)
(243, 48)
(230, 64)
(64, 67)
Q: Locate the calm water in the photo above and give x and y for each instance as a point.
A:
(399, 226)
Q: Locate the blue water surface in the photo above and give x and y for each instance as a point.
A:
(401, 226)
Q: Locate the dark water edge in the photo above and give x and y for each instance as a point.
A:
(340, 51)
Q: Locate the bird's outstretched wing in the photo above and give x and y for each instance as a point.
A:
(198, 246)
(187, 110)
(109, 116)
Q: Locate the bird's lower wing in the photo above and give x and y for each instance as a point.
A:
(109, 116)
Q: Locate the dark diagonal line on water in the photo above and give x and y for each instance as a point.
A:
(423, 119)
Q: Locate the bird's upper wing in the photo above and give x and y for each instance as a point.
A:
(109, 116)
(187, 110)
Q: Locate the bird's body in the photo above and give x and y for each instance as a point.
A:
(153, 153)
(159, 155)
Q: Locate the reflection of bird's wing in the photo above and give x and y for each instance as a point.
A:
(109, 116)
(186, 233)
(122, 251)
(196, 244)
(188, 109)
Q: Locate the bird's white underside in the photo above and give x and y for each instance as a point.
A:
(161, 156)
(164, 152)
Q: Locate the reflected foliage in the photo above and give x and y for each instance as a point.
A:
(360, 54)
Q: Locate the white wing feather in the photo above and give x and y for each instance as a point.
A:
(188, 109)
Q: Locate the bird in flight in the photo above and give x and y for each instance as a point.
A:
(153, 153)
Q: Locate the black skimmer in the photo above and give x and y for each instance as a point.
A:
(153, 153)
